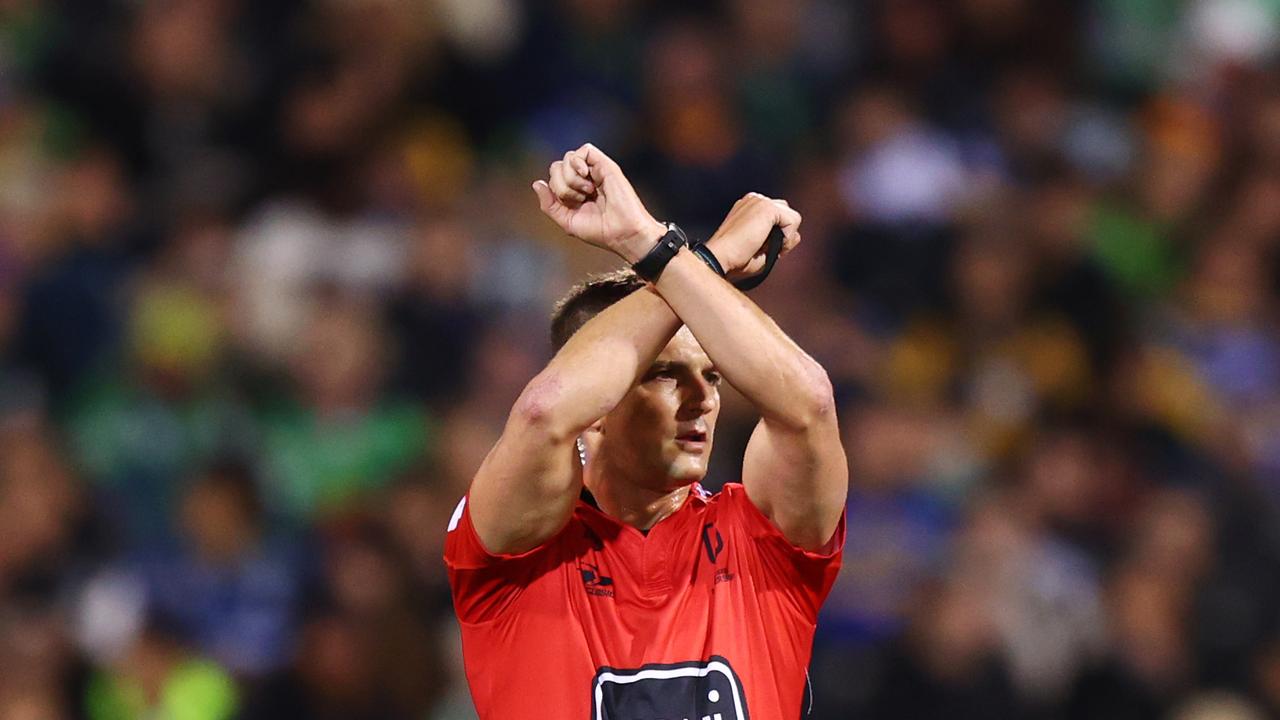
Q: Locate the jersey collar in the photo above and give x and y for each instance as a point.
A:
(697, 494)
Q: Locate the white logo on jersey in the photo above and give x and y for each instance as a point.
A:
(457, 514)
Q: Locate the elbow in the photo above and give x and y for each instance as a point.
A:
(815, 400)
(540, 409)
(817, 397)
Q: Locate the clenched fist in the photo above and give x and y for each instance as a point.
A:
(587, 195)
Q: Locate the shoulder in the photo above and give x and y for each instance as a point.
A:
(734, 505)
(463, 546)
(802, 576)
(483, 583)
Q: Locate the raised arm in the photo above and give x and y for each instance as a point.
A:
(794, 469)
(526, 487)
(525, 490)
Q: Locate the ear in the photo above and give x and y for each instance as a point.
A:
(589, 440)
(593, 436)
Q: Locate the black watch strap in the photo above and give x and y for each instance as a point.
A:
(704, 253)
(773, 248)
(651, 265)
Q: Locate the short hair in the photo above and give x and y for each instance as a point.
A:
(587, 299)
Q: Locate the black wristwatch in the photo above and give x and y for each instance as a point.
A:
(651, 265)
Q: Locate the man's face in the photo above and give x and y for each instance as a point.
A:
(664, 426)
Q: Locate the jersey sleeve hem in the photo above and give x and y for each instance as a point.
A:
(484, 584)
(471, 552)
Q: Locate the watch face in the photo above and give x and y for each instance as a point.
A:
(686, 691)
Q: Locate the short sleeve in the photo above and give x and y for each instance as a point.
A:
(484, 584)
(804, 576)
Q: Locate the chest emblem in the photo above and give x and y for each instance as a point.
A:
(595, 582)
(708, 690)
(712, 542)
(713, 545)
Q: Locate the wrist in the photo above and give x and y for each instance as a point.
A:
(635, 246)
(722, 254)
(708, 256)
(650, 267)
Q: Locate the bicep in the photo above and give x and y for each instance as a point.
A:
(799, 479)
(525, 490)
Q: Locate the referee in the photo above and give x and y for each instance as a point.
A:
(592, 575)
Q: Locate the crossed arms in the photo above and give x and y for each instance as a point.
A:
(794, 469)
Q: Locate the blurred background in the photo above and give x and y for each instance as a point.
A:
(271, 274)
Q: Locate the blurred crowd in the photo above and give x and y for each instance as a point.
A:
(271, 274)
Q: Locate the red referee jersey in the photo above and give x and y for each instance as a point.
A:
(708, 617)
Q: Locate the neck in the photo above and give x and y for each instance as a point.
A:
(631, 502)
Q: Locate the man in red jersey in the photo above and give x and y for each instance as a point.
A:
(592, 575)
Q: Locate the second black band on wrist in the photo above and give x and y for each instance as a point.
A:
(704, 253)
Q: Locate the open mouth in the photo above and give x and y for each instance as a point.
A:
(692, 437)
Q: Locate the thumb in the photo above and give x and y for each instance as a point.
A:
(551, 205)
(546, 199)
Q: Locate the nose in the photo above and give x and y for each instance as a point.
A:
(700, 398)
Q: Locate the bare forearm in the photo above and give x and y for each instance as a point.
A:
(599, 364)
(749, 349)
(524, 491)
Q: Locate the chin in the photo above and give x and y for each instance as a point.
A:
(687, 470)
